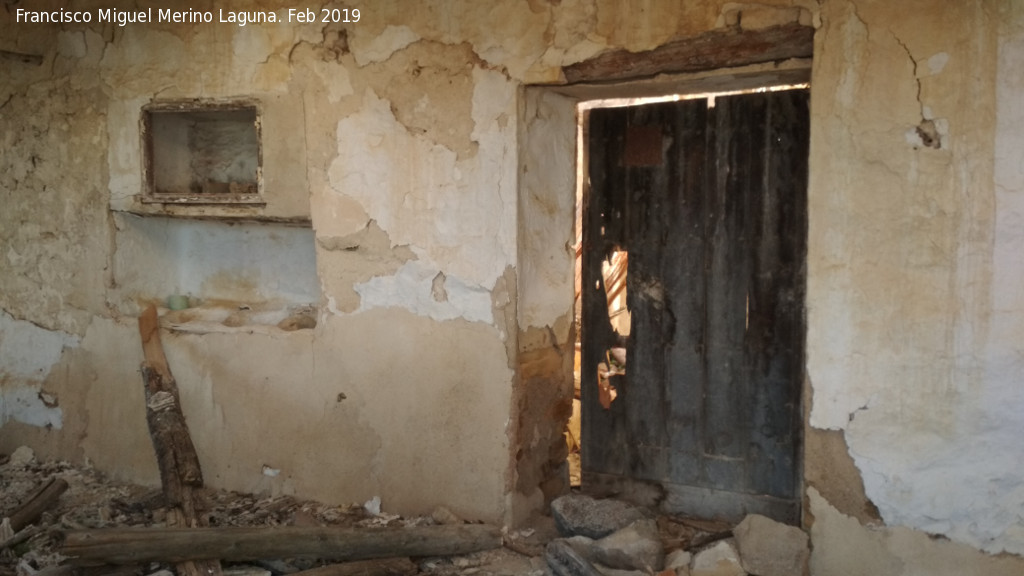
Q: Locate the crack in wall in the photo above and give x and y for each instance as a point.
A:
(927, 131)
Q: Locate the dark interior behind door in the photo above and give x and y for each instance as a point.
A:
(710, 203)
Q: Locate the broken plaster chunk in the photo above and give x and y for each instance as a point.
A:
(719, 559)
(770, 548)
(635, 547)
(162, 400)
(442, 515)
(677, 560)
(299, 321)
(22, 456)
(373, 505)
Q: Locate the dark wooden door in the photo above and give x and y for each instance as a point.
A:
(709, 200)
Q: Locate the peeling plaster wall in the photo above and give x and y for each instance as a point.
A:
(547, 199)
(914, 299)
(437, 191)
(28, 354)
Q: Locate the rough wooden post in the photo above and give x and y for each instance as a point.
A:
(180, 474)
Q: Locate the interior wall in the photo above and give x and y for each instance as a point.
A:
(405, 146)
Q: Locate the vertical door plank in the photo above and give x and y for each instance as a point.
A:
(732, 209)
(683, 278)
(776, 343)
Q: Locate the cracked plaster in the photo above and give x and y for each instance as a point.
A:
(905, 379)
(460, 196)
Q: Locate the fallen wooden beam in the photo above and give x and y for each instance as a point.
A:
(37, 503)
(176, 457)
(176, 545)
(383, 567)
(714, 49)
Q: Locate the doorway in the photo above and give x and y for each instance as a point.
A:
(694, 214)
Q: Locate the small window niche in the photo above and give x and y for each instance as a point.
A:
(203, 153)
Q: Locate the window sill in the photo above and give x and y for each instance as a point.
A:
(216, 212)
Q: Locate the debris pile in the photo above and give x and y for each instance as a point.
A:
(95, 505)
(610, 537)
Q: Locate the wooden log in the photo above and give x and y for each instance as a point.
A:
(180, 474)
(176, 545)
(37, 503)
(383, 567)
(711, 50)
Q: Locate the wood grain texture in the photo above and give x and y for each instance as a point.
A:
(180, 473)
(725, 48)
(178, 545)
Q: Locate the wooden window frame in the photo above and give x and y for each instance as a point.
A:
(150, 194)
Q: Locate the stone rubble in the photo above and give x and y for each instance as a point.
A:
(581, 515)
(668, 546)
(678, 560)
(770, 548)
(719, 559)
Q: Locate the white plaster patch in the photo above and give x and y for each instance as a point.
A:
(28, 351)
(25, 404)
(380, 47)
(412, 288)
(547, 208)
(963, 483)
(457, 215)
(27, 354)
(937, 62)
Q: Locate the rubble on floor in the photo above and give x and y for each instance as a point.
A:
(583, 537)
(614, 538)
(92, 501)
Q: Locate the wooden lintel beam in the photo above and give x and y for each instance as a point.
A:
(726, 48)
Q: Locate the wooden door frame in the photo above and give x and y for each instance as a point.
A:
(538, 420)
